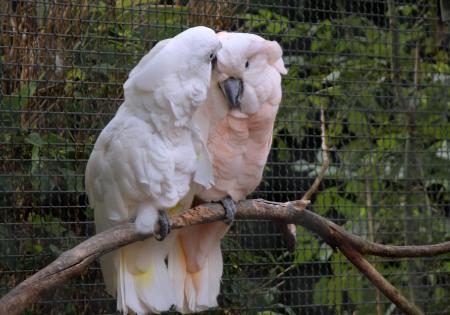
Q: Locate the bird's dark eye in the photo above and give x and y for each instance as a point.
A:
(246, 64)
(212, 56)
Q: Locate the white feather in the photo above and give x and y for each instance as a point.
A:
(202, 287)
(177, 272)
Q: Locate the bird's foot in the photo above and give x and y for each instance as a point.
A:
(165, 225)
(230, 209)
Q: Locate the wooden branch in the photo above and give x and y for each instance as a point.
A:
(73, 262)
(378, 280)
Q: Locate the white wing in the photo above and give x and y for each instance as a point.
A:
(130, 164)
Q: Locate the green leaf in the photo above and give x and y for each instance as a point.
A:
(306, 247)
(35, 165)
(318, 101)
(332, 197)
(130, 4)
(332, 77)
(75, 74)
(388, 144)
(443, 151)
(19, 100)
(35, 139)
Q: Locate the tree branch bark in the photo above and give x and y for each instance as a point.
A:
(73, 262)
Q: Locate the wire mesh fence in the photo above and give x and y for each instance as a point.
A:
(379, 68)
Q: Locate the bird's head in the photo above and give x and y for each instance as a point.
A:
(248, 70)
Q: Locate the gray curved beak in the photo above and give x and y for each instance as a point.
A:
(232, 89)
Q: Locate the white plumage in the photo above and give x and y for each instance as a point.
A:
(150, 157)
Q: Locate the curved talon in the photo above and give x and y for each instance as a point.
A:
(230, 209)
(165, 225)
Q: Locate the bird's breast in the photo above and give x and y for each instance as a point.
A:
(261, 124)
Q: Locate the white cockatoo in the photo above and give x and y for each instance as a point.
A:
(148, 160)
(242, 105)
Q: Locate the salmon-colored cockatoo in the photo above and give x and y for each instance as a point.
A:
(242, 105)
(148, 161)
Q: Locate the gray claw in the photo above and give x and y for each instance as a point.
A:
(165, 225)
(230, 209)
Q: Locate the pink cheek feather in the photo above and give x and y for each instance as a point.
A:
(249, 100)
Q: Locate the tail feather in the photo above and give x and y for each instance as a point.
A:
(206, 281)
(154, 287)
(129, 298)
(178, 272)
(109, 264)
(195, 291)
(191, 294)
(137, 275)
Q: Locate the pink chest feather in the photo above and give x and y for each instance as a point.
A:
(239, 146)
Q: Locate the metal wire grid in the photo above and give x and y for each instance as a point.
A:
(63, 65)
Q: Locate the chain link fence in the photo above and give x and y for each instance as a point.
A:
(379, 68)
